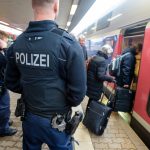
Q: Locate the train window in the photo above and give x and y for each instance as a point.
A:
(148, 105)
(111, 41)
(136, 30)
(130, 41)
(94, 45)
(134, 35)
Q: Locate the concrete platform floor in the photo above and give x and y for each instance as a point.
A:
(117, 136)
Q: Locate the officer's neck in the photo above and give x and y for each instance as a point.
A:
(39, 16)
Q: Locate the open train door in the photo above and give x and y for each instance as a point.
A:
(140, 120)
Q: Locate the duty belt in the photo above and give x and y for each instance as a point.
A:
(66, 123)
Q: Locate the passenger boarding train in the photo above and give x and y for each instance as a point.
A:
(133, 26)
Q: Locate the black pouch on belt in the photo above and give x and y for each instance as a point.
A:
(20, 109)
(73, 123)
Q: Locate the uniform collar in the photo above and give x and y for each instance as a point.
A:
(37, 26)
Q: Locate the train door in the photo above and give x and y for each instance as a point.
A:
(133, 36)
(141, 112)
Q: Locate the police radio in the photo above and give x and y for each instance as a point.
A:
(20, 109)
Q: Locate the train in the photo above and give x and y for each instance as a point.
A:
(128, 24)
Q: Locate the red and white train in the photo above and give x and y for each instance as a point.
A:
(133, 26)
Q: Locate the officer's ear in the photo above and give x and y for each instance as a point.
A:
(56, 7)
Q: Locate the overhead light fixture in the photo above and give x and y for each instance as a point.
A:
(73, 9)
(68, 23)
(99, 9)
(10, 30)
(1, 22)
(114, 17)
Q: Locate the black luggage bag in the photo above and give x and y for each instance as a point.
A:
(123, 99)
(96, 117)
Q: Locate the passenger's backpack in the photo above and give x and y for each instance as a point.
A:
(115, 65)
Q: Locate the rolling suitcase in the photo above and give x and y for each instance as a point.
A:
(96, 117)
(123, 99)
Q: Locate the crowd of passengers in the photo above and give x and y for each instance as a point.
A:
(97, 69)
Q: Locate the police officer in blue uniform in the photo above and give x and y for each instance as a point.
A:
(46, 65)
(5, 129)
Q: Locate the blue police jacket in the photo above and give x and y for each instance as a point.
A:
(3, 62)
(47, 68)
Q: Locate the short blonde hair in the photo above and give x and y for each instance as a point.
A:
(41, 2)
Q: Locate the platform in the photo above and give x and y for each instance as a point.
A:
(117, 136)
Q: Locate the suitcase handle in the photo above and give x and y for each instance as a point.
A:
(111, 102)
(112, 91)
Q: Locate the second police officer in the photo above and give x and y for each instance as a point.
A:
(44, 66)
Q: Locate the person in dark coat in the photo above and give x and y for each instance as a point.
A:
(5, 129)
(127, 68)
(96, 73)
